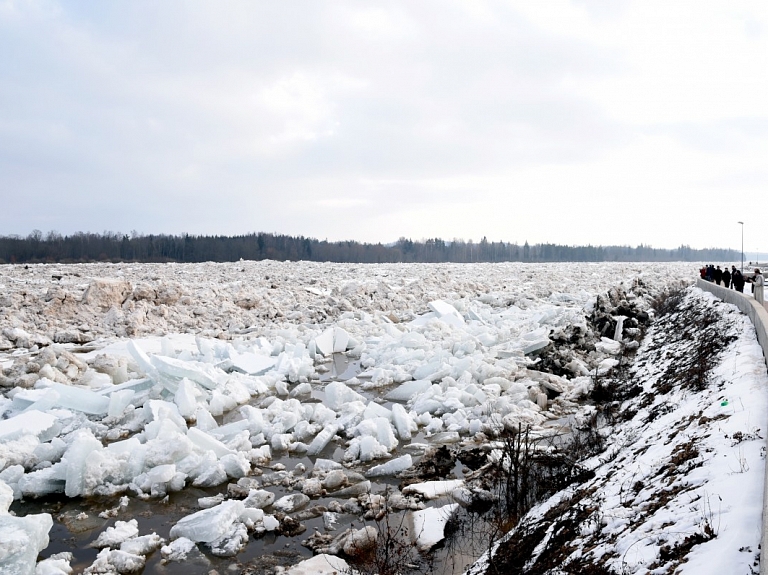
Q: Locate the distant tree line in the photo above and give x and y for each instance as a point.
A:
(117, 247)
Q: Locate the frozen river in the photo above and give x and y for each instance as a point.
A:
(185, 417)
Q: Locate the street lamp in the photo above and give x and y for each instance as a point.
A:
(742, 247)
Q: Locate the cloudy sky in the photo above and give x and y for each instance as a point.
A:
(561, 121)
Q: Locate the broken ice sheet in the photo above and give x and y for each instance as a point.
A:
(42, 425)
(251, 363)
(429, 525)
(71, 397)
(209, 524)
(202, 373)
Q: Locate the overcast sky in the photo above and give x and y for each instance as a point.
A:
(575, 122)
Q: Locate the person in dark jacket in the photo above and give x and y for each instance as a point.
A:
(718, 275)
(726, 278)
(738, 280)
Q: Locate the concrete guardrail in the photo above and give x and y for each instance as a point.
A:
(758, 315)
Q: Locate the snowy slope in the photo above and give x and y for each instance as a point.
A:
(678, 487)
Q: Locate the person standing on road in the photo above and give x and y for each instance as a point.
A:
(737, 279)
(726, 278)
(758, 282)
(718, 275)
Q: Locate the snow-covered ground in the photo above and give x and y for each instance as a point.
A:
(290, 393)
(679, 484)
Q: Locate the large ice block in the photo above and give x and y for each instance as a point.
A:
(324, 342)
(320, 565)
(207, 443)
(185, 398)
(405, 391)
(340, 340)
(6, 497)
(446, 312)
(74, 459)
(209, 524)
(251, 363)
(118, 401)
(30, 422)
(433, 489)
(202, 373)
(404, 425)
(322, 439)
(429, 525)
(143, 361)
(22, 539)
(79, 399)
(391, 467)
(337, 395)
(120, 532)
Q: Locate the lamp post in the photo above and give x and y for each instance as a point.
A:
(742, 247)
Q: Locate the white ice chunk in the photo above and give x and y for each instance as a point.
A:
(391, 467)
(142, 359)
(57, 564)
(323, 465)
(251, 363)
(446, 312)
(608, 346)
(404, 425)
(201, 373)
(606, 365)
(30, 422)
(22, 539)
(270, 523)
(429, 525)
(405, 391)
(535, 340)
(322, 439)
(204, 420)
(118, 401)
(337, 395)
(291, 503)
(373, 410)
(340, 340)
(384, 433)
(185, 398)
(80, 399)
(75, 458)
(433, 489)
(6, 497)
(143, 545)
(177, 550)
(119, 533)
(320, 565)
(236, 465)
(324, 342)
(207, 443)
(259, 499)
(209, 524)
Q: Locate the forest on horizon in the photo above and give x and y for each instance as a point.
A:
(115, 247)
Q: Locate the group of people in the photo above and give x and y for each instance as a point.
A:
(734, 279)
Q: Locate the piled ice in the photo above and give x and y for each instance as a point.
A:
(22, 537)
(447, 356)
